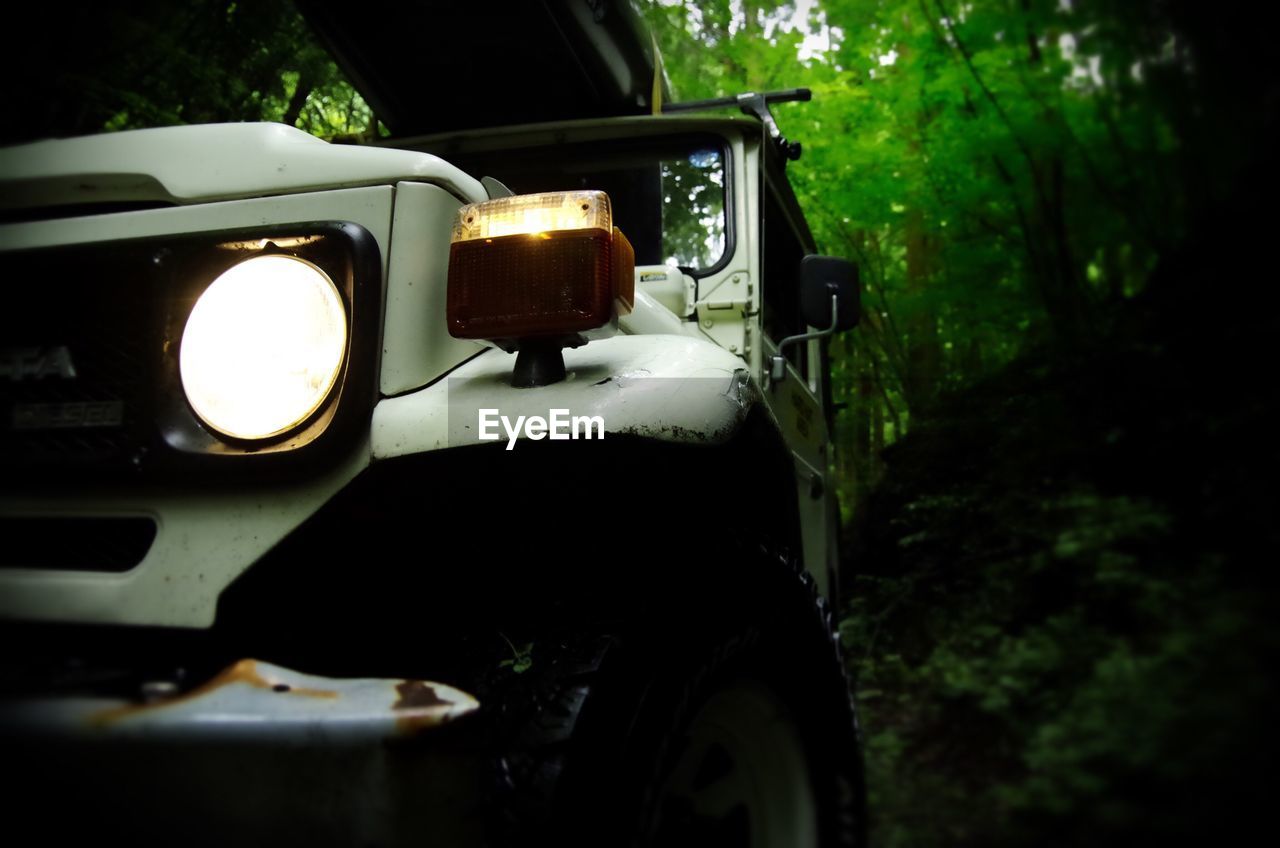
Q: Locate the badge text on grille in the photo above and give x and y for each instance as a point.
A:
(61, 416)
(36, 363)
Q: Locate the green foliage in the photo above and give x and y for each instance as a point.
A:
(1004, 173)
(521, 659)
(1041, 658)
(160, 64)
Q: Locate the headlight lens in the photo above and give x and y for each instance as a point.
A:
(263, 347)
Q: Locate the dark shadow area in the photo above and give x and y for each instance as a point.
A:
(1063, 628)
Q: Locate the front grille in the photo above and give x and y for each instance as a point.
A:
(75, 333)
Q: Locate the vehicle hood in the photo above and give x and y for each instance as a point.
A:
(431, 66)
(202, 163)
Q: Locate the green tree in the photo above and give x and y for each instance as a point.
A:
(158, 64)
(1005, 173)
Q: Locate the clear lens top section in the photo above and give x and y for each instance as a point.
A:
(532, 214)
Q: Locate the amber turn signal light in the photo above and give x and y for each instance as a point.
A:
(538, 266)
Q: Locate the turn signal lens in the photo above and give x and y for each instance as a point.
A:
(538, 265)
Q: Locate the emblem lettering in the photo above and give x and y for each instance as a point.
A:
(37, 363)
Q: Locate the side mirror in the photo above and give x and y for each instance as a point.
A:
(830, 297)
(820, 278)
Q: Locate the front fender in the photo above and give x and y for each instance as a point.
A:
(663, 387)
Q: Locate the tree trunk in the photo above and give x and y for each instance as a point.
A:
(877, 439)
(924, 352)
(1068, 311)
(863, 402)
(971, 359)
(297, 101)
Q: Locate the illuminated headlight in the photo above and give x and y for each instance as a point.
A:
(263, 347)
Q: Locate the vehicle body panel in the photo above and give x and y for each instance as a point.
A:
(205, 539)
(668, 388)
(199, 164)
(416, 345)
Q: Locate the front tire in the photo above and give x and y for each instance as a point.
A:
(722, 719)
(740, 774)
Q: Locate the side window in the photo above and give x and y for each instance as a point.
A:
(783, 251)
(693, 214)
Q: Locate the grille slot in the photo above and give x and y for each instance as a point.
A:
(80, 544)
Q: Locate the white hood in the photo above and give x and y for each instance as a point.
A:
(201, 163)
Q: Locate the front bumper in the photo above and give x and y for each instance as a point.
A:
(258, 754)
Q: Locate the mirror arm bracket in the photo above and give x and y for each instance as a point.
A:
(778, 364)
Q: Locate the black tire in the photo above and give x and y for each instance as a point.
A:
(600, 745)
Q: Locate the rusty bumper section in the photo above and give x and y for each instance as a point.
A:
(252, 699)
(258, 754)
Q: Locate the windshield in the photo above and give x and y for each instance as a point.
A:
(668, 194)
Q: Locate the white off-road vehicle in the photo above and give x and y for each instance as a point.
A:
(472, 488)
